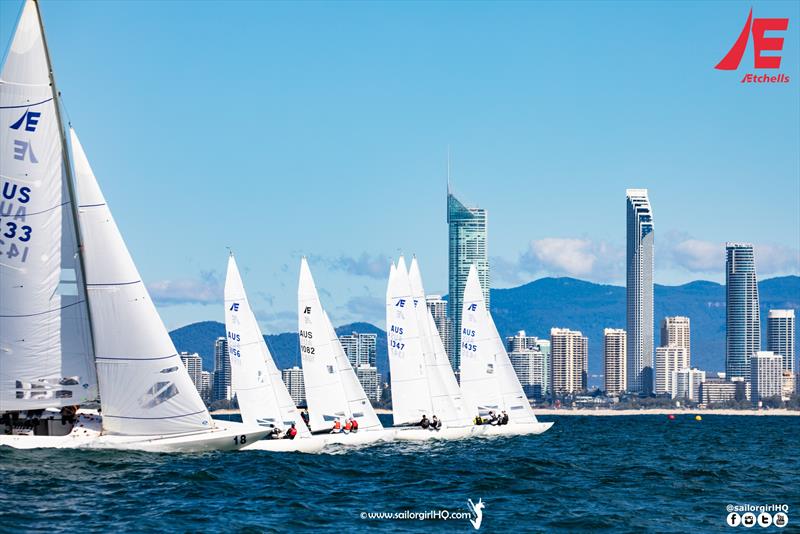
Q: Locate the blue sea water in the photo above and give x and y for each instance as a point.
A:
(616, 474)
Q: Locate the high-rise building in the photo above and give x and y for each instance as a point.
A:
(437, 307)
(293, 378)
(222, 370)
(766, 375)
(789, 385)
(569, 361)
(743, 319)
(467, 236)
(615, 346)
(639, 286)
(370, 381)
(206, 386)
(719, 390)
(685, 383)
(676, 331)
(194, 365)
(529, 357)
(668, 360)
(780, 336)
(361, 349)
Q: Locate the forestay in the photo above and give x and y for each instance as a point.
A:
(411, 396)
(488, 379)
(255, 379)
(46, 355)
(328, 397)
(144, 387)
(446, 397)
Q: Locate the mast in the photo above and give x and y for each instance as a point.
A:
(70, 182)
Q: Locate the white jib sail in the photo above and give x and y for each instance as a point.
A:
(255, 379)
(326, 395)
(46, 355)
(411, 396)
(488, 379)
(448, 402)
(144, 387)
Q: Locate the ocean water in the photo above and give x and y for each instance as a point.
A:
(614, 474)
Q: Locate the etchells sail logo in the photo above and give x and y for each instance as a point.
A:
(761, 43)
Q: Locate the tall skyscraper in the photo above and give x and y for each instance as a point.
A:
(467, 235)
(293, 378)
(437, 307)
(361, 349)
(569, 359)
(780, 336)
(766, 375)
(668, 360)
(194, 365)
(639, 266)
(222, 370)
(743, 319)
(529, 357)
(676, 331)
(615, 346)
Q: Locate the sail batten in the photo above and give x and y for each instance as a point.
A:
(46, 356)
(144, 387)
(488, 379)
(332, 387)
(255, 379)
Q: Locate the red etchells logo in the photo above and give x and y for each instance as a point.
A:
(761, 43)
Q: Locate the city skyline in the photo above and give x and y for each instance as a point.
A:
(297, 121)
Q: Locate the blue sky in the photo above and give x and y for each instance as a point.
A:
(322, 129)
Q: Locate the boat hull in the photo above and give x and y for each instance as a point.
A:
(362, 437)
(421, 434)
(516, 429)
(309, 445)
(86, 434)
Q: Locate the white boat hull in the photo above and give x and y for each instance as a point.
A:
(362, 437)
(308, 445)
(421, 434)
(86, 434)
(515, 429)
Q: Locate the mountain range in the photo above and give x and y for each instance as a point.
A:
(558, 302)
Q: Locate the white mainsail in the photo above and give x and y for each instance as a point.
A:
(255, 379)
(448, 402)
(332, 388)
(488, 379)
(411, 395)
(144, 387)
(46, 355)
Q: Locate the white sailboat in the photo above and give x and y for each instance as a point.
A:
(255, 379)
(423, 383)
(488, 379)
(75, 317)
(333, 391)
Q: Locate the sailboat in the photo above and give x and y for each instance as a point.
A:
(255, 379)
(333, 391)
(75, 318)
(423, 383)
(488, 379)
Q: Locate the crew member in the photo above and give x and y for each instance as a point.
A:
(435, 423)
(291, 433)
(305, 417)
(424, 423)
(337, 427)
(355, 425)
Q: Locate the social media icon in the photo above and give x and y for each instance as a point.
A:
(780, 520)
(734, 519)
(749, 519)
(765, 519)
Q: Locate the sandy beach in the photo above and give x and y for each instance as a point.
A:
(663, 411)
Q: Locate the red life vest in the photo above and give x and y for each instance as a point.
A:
(292, 431)
(337, 425)
(355, 424)
(348, 425)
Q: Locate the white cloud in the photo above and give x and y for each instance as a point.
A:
(204, 290)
